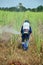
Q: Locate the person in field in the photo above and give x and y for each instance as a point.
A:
(26, 31)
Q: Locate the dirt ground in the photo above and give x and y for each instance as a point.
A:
(10, 53)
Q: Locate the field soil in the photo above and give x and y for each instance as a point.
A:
(10, 54)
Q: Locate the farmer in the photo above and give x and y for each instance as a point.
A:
(25, 31)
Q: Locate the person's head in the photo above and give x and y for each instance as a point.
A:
(27, 21)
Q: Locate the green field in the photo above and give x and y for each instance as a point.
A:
(16, 19)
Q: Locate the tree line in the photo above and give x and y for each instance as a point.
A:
(21, 8)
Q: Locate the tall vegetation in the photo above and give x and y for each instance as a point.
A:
(17, 18)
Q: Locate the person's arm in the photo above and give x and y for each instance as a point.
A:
(31, 35)
(30, 31)
(22, 29)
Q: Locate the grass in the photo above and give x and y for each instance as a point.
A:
(17, 18)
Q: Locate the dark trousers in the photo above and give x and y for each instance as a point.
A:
(25, 36)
